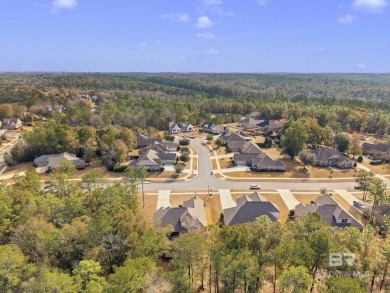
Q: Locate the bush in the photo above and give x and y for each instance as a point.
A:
(120, 168)
(360, 159)
(185, 150)
(184, 141)
(4, 137)
(184, 157)
(376, 162)
(162, 169)
(219, 141)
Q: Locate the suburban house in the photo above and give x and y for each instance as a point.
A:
(180, 127)
(11, 123)
(212, 128)
(380, 151)
(49, 162)
(153, 160)
(188, 217)
(248, 209)
(329, 157)
(252, 156)
(144, 140)
(249, 123)
(234, 141)
(330, 211)
(164, 146)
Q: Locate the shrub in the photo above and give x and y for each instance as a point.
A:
(376, 162)
(219, 141)
(184, 157)
(185, 150)
(360, 159)
(162, 169)
(184, 141)
(120, 168)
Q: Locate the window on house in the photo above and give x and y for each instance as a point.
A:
(344, 220)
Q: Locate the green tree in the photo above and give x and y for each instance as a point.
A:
(342, 142)
(295, 279)
(119, 152)
(132, 276)
(354, 146)
(364, 179)
(294, 139)
(210, 137)
(378, 194)
(179, 168)
(307, 158)
(344, 284)
(53, 280)
(89, 272)
(142, 173)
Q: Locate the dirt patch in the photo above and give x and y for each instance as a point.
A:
(18, 168)
(352, 210)
(195, 163)
(150, 205)
(212, 204)
(214, 164)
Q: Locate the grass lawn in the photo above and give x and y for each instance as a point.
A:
(150, 205)
(212, 204)
(19, 168)
(380, 169)
(214, 164)
(306, 198)
(258, 139)
(274, 198)
(194, 151)
(195, 164)
(351, 209)
(226, 163)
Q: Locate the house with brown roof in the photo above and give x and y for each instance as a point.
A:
(248, 209)
(334, 214)
(188, 217)
(328, 157)
(11, 123)
(213, 128)
(379, 151)
(47, 163)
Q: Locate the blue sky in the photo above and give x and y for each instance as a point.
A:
(195, 35)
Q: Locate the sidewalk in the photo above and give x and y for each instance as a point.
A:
(349, 197)
(360, 166)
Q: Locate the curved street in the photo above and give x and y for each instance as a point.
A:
(206, 180)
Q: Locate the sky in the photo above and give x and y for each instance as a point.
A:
(195, 35)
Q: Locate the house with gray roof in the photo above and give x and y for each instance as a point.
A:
(248, 209)
(332, 158)
(144, 140)
(249, 123)
(213, 128)
(154, 160)
(180, 127)
(50, 162)
(379, 151)
(188, 217)
(334, 214)
(11, 123)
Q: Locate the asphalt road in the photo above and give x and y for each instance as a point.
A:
(205, 180)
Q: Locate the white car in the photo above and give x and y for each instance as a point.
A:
(358, 204)
(254, 186)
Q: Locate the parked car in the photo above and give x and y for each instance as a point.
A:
(357, 186)
(358, 204)
(255, 186)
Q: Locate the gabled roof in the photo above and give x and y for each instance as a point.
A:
(329, 210)
(326, 153)
(54, 160)
(235, 144)
(276, 124)
(208, 125)
(379, 147)
(248, 209)
(265, 161)
(175, 215)
(9, 121)
(155, 158)
(146, 140)
(250, 148)
(235, 137)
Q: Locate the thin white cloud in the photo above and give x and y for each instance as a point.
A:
(205, 36)
(158, 42)
(212, 52)
(346, 19)
(370, 6)
(361, 66)
(64, 4)
(262, 2)
(211, 2)
(176, 17)
(204, 22)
